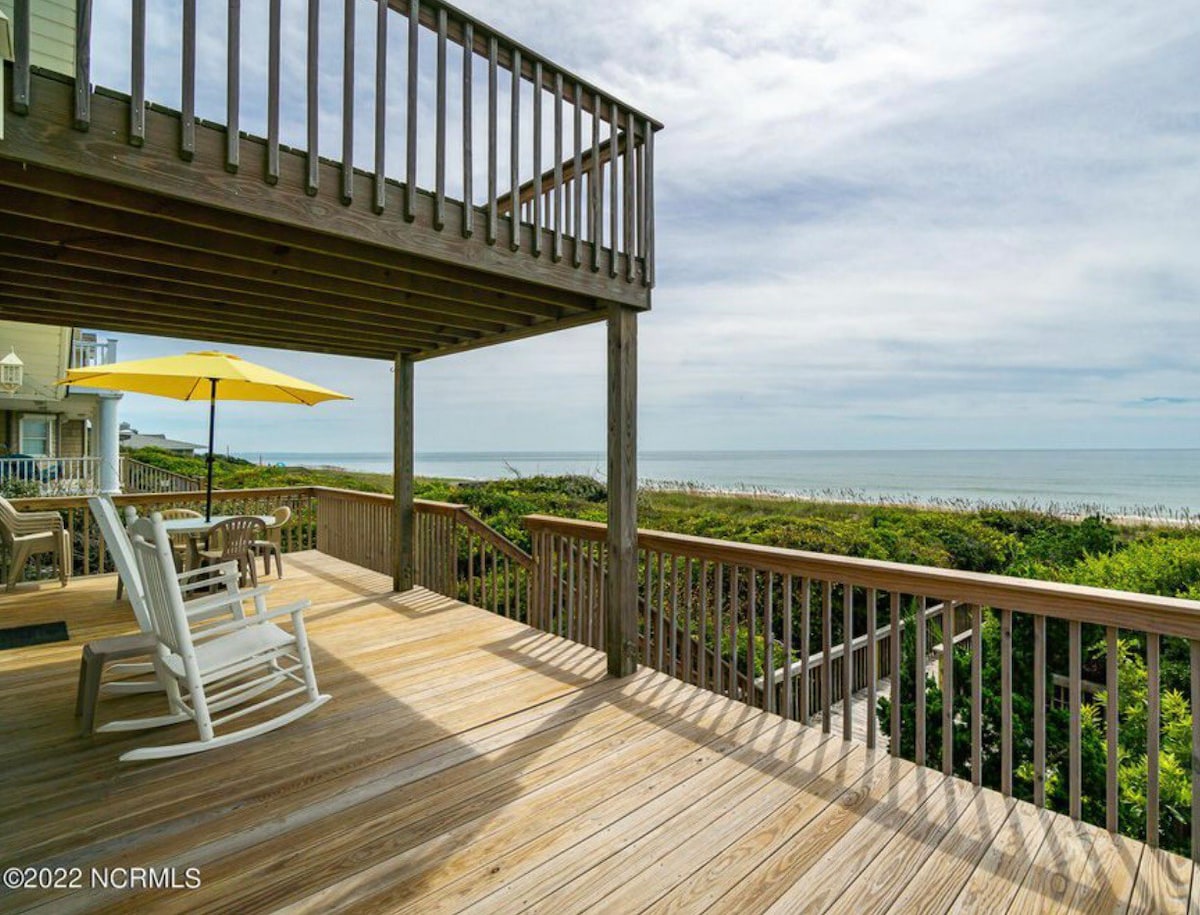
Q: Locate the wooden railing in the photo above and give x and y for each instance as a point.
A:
(730, 595)
(91, 558)
(543, 123)
(137, 476)
(456, 553)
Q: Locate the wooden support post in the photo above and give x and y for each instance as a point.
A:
(402, 518)
(621, 592)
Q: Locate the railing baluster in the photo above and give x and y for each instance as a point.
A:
(493, 88)
(137, 74)
(872, 664)
(571, 544)
(630, 205)
(751, 640)
(660, 627)
(468, 158)
(413, 101)
(687, 624)
(614, 192)
(734, 610)
(1153, 723)
(648, 206)
(83, 64)
(847, 660)
(439, 197)
(894, 646)
(674, 616)
(577, 178)
(233, 69)
(313, 163)
(557, 252)
(1039, 710)
(1006, 704)
(827, 656)
(187, 117)
(514, 165)
(536, 200)
(703, 646)
(1111, 717)
(273, 66)
(976, 695)
(1075, 764)
(804, 700)
(22, 36)
(919, 681)
(379, 195)
(348, 44)
(718, 628)
(1194, 681)
(768, 644)
(596, 190)
(947, 687)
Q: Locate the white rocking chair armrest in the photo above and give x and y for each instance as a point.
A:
(222, 568)
(215, 602)
(293, 610)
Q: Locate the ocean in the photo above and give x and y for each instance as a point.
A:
(1162, 483)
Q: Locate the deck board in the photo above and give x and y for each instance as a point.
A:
(468, 763)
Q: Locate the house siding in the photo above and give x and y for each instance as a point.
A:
(52, 23)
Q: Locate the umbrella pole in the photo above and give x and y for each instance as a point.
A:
(212, 418)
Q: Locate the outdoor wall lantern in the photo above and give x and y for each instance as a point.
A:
(12, 373)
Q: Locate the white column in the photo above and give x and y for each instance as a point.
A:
(109, 444)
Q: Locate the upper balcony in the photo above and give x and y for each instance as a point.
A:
(409, 181)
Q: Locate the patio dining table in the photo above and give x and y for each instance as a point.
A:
(197, 529)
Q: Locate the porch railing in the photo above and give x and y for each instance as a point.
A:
(51, 475)
(80, 476)
(91, 558)
(456, 553)
(485, 121)
(765, 611)
(137, 476)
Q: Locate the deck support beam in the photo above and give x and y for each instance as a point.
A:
(402, 477)
(621, 591)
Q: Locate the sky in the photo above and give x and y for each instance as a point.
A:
(946, 224)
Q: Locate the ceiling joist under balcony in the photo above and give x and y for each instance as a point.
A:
(95, 231)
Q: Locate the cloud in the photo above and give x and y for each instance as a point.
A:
(944, 224)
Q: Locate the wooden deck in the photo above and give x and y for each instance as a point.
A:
(467, 762)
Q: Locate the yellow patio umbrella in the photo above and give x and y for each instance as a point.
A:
(208, 375)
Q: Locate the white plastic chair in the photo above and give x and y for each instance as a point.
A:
(221, 667)
(114, 654)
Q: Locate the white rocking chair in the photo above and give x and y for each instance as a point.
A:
(221, 667)
(116, 539)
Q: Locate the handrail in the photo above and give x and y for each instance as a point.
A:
(1144, 612)
(136, 474)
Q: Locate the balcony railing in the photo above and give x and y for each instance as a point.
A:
(68, 476)
(481, 121)
(90, 352)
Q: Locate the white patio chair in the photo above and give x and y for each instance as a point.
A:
(222, 667)
(114, 654)
(29, 534)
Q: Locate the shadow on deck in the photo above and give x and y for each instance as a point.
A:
(469, 762)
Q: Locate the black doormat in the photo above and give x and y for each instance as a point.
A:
(38, 634)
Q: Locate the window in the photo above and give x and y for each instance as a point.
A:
(36, 435)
